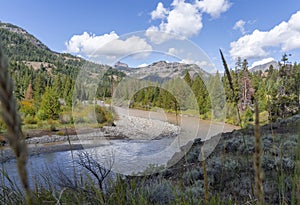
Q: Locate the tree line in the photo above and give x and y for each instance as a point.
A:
(276, 90)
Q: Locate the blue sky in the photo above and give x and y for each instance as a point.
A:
(253, 29)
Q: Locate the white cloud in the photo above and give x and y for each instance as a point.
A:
(184, 20)
(174, 51)
(261, 62)
(157, 36)
(239, 25)
(108, 45)
(286, 35)
(201, 64)
(160, 12)
(142, 65)
(213, 7)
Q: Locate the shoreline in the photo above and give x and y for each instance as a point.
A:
(127, 128)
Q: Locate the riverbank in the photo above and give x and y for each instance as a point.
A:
(230, 171)
(126, 128)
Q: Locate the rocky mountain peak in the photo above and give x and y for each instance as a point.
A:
(264, 67)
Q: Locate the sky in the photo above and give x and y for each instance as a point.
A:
(140, 32)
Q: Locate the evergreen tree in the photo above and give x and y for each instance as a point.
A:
(50, 105)
(39, 87)
(238, 64)
(217, 96)
(187, 78)
(201, 94)
(68, 91)
(58, 85)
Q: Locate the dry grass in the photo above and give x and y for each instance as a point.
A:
(257, 159)
(12, 120)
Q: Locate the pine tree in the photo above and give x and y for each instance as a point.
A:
(68, 91)
(50, 105)
(39, 87)
(217, 96)
(187, 78)
(58, 85)
(201, 94)
(238, 64)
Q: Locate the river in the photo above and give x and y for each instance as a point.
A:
(127, 156)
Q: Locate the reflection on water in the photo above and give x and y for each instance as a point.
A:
(128, 156)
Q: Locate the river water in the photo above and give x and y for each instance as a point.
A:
(129, 157)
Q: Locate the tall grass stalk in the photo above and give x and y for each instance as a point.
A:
(257, 159)
(231, 86)
(238, 113)
(12, 120)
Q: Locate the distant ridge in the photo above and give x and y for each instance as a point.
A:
(161, 71)
(264, 67)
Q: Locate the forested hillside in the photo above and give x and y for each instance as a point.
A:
(44, 80)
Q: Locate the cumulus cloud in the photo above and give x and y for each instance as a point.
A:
(142, 65)
(183, 19)
(285, 35)
(160, 12)
(213, 7)
(108, 45)
(261, 62)
(157, 36)
(240, 25)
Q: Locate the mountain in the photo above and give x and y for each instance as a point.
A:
(161, 71)
(264, 67)
(121, 66)
(22, 47)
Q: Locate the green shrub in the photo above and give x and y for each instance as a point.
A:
(31, 126)
(2, 125)
(41, 115)
(61, 133)
(189, 177)
(103, 115)
(247, 117)
(29, 119)
(264, 117)
(52, 125)
(161, 192)
(27, 107)
(42, 124)
(65, 118)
